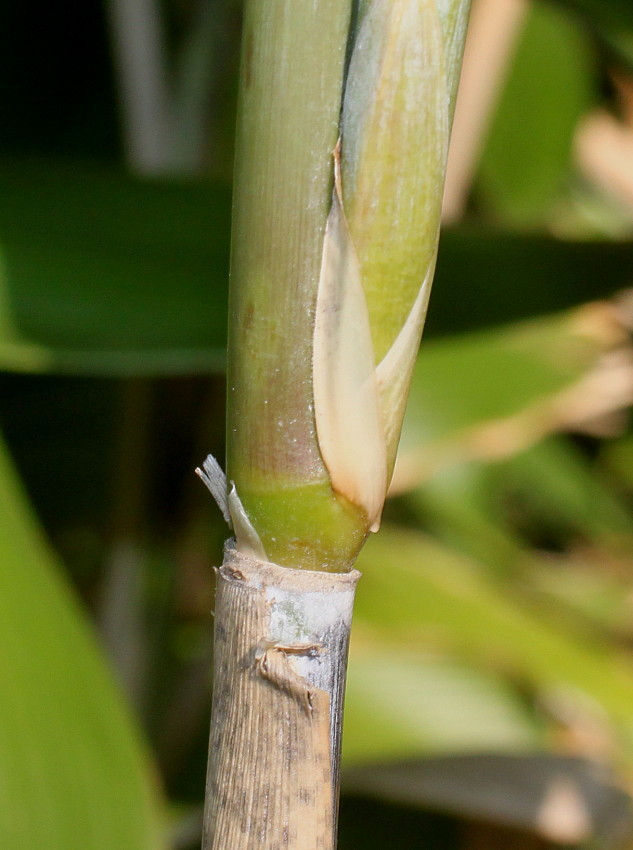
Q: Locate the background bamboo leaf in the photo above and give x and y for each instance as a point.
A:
(523, 169)
(481, 271)
(409, 698)
(72, 767)
(102, 273)
(530, 379)
(612, 20)
(157, 305)
(493, 511)
(434, 600)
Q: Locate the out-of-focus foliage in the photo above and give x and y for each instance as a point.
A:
(70, 764)
(100, 273)
(611, 21)
(491, 676)
(526, 160)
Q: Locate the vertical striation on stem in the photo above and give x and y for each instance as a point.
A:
(281, 642)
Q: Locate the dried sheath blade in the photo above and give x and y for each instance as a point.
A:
(214, 478)
(247, 539)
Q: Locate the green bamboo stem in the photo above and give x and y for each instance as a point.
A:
(290, 99)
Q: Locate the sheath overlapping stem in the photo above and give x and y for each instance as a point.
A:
(330, 284)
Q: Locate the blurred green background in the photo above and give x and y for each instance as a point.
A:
(490, 697)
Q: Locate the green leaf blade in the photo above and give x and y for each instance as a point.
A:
(71, 766)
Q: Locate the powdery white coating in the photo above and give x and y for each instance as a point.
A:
(313, 618)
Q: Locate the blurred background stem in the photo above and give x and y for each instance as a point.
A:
(121, 612)
(140, 58)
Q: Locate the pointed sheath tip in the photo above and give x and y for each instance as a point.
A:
(346, 404)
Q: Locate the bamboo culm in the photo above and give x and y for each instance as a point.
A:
(333, 251)
(281, 642)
